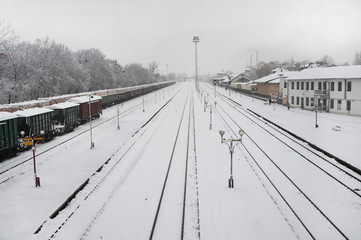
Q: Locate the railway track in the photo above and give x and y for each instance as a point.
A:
(303, 196)
(6, 174)
(170, 216)
(110, 167)
(292, 141)
(118, 174)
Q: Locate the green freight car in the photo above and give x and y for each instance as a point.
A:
(65, 117)
(109, 100)
(35, 120)
(8, 133)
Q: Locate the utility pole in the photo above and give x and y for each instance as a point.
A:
(196, 41)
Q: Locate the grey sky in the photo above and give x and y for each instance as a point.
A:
(140, 31)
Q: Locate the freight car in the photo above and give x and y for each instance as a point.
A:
(109, 100)
(58, 111)
(123, 94)
(95, 107)
(32, 121)
(65, 117)
(8, 133)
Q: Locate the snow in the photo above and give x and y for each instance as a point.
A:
(119, 201)
(6, 116)
(85, 99)
(33, 111)
(340, 72)
(268, 78)
(63, 105)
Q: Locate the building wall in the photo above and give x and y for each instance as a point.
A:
(335, 101)
(267, 88)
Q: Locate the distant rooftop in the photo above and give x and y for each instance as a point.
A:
(340, 72)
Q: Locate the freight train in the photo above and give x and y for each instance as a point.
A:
(54, 116)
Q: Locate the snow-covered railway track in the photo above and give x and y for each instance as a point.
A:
(340, 174)
(311, 193)
(290, 137)
(170, 216)
(113, 173)
(11, 172)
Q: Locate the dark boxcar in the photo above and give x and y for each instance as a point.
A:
(34, 120)
(109, 100)
(65, 116)
(95, 103)
(8, 133)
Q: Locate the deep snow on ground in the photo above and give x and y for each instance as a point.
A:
(246, 212)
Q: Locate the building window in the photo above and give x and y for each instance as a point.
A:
(348, 105)
(293, 85)
(319, 86)
(339, 104)
(307, 85)
(284, 84)
(307, 101)
(312, 99)
(348, 86)
(312, 85)
(324, 85)
(292, 100)
(332, 104)
(298, 85)
(298, 100)
(332, 86)
(302, 85)
(339, 86)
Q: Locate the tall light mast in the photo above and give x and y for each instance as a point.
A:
(196, 40)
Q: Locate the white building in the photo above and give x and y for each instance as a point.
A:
(332, 89)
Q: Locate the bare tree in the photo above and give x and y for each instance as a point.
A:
(326, 60)
(357, 60)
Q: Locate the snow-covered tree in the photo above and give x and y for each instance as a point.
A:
(98, 68)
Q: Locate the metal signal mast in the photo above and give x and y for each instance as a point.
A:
(196, 40)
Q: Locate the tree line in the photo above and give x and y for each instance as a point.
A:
(45, 68)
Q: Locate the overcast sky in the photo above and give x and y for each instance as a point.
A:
(142, 31)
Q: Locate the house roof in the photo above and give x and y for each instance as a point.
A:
(272, 78)
(340, 72)
(239, 76)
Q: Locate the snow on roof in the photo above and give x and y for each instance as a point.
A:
(275, 77)
(272, 77)
(33, 111)
(340, 72)
(63, 105)
(6, 116)
(279, 69)
(84, 99)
